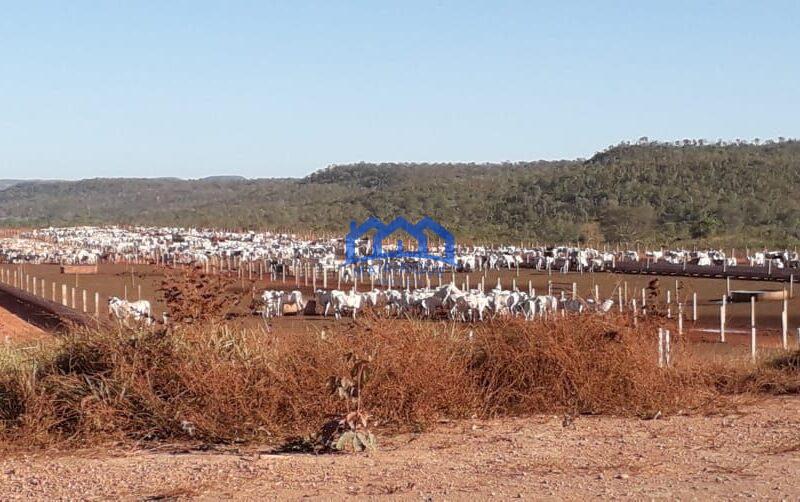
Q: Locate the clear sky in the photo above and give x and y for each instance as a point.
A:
(262, 89)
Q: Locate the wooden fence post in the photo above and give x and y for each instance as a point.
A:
(753, 327)
(785, 323)
(667, 349)
(644, 302)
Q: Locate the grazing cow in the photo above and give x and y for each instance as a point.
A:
(430, 303)
(125, 311)
(394, 301)
(468, 306)
(547, 303)
(372, 298)
(342, 301)
(529, 308)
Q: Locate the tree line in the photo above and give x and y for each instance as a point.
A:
(739, 193)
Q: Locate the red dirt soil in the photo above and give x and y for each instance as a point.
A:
(15, 331)
(112, 280)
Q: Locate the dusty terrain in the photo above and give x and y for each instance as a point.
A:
(115, 280)
(15, 330)
(753, 452)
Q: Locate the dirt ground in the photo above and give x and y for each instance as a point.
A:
(14, 330)
(753, 452)
(118, 279)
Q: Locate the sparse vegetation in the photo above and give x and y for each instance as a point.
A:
(212, 384)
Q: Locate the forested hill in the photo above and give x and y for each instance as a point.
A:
(739, 193)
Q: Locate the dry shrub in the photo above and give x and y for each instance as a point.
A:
(776, 375)
(588, 365)
(195, 297)
(217, 385)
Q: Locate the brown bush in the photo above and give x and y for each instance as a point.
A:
(218, 385)
(776, 375)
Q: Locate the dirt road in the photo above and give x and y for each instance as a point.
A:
(753, 453)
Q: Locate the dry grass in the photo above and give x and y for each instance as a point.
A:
(776, 375)
(216, 385)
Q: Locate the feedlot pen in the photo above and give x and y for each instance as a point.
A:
(145, 280)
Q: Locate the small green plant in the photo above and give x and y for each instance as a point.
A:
(349, 433)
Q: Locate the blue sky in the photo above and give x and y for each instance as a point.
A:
(265, 89)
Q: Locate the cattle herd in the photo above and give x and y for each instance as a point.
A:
(457, 304)
(87, 245)
(279, 252)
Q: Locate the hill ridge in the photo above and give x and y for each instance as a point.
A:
(649, 192)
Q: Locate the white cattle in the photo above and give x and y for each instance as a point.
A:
(373, 298)
(272, 303)
(547, 303)
(293, 298)
(342, 302)
(125, 311)
(323, 299)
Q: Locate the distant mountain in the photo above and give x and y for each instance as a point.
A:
(223, 179)
(7, 183)
(741, 194)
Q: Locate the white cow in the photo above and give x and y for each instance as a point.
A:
(323, 299)
(125, 311)
(272, 303)
(342, 301)
(293, 298)
(373, 298)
